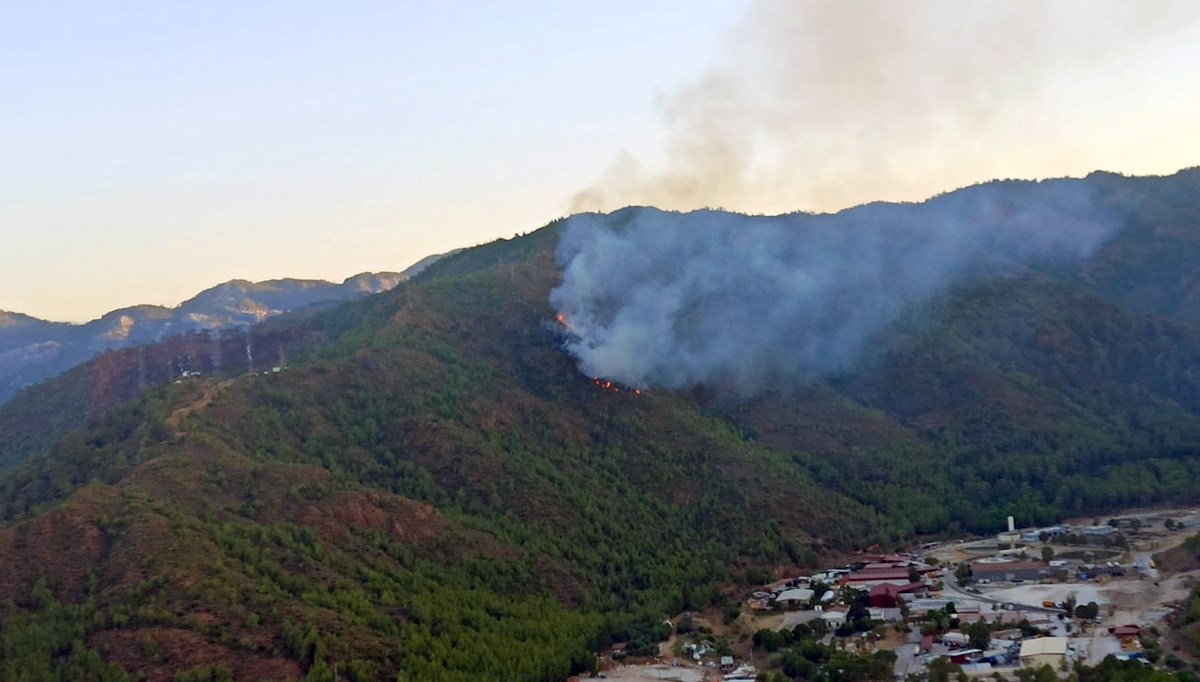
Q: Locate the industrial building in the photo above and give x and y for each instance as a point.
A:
(1051, 651)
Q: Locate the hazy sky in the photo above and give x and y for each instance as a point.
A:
(149, 150)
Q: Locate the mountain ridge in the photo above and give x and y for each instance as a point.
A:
(32, 350)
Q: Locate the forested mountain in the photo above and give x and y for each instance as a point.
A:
(432, 490)
(32, 350)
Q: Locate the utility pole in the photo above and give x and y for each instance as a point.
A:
(141, 368)
(215, 358)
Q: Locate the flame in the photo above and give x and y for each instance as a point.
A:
(606, 385)
(562, 319)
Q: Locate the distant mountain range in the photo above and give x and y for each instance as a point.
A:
(32, 350)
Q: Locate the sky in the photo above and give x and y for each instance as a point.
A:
(151, 150)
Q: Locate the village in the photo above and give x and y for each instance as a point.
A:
(1025, 598)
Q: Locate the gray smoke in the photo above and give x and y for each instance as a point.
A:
(656, 298)
(822, 104)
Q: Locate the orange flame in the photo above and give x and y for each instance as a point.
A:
(562, 319)
(607, 385)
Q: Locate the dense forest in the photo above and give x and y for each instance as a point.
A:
(431, 490)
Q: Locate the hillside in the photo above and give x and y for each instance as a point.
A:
(433, 488)
(549, 493)
(33, 350)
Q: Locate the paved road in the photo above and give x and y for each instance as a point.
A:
(907, 661)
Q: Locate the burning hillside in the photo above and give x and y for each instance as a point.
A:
(716, 298)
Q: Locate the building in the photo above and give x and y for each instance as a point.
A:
(972, 608)
(887, 595)
(834, 617)
(1099, 530)
(1008, 571)
(1128, 635)
(955, 639)
(884, 615)
(796, 598)
(1004, 617)
(868, 578)
(884, 596)
(1051, 651)
(921, 607)
(965, 656)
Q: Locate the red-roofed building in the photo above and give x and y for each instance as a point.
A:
(866, 579)
(887, 595)
(1126, 633)
(965, 656)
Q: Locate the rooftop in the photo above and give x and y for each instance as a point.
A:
(797, 594)
(878, 574)
(1043, 646)
(1007, 566)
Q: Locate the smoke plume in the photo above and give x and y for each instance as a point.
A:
(823, 104)
(656, 298)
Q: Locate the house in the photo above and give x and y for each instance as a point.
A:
(1051, 651)
(1007, 571)
(796, 598)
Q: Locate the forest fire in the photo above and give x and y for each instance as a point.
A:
(562, 319)
(610, 386)
(603, 384)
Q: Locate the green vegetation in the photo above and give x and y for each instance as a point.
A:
(1192, 545)
(45, 640)
(798, 655)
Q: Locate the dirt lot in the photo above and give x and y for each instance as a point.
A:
(1122, 601)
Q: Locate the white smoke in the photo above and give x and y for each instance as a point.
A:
(657, 298)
